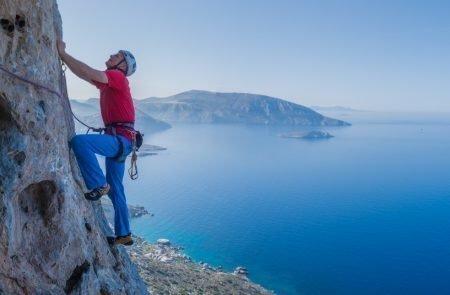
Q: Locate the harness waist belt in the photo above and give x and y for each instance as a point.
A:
(120, 124)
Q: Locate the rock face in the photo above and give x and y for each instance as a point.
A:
(52, 241)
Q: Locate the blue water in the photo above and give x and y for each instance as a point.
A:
(366, 212)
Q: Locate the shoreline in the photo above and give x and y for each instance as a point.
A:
(164, 269)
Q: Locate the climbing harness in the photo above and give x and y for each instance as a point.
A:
(136, 142)
(135, 135)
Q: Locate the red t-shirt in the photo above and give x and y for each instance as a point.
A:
(116, 104)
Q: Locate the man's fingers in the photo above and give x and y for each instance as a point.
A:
(61, 46)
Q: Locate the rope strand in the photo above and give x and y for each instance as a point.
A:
(50, 90)
(29, 81)
(89, 128)
(133, 170)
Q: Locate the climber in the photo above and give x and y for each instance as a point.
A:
(117, 110)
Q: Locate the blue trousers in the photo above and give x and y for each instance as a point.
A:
(85, 148)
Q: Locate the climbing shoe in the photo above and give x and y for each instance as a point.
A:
(97, 193)
(120, 240)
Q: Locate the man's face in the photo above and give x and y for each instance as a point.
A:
(114, 59)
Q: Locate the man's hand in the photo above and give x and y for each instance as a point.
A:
(79, 68)
(61, 46)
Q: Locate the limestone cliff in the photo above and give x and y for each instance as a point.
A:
(52, 241)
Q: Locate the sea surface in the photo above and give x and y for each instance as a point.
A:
(365, 212)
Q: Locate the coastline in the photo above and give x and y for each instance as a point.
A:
(164, 269)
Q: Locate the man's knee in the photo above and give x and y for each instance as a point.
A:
(76, 141)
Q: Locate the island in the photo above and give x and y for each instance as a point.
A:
(308, 135)
(133, 210)
(150, 150)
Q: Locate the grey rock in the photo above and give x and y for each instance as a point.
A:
(242, 271)
(164, 242)
(45, 245)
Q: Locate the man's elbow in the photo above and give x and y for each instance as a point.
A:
(98, 76)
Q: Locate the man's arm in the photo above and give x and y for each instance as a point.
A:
(79, 68)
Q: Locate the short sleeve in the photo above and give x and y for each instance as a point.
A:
(116, 79)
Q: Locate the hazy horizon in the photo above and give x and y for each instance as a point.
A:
(330, 107)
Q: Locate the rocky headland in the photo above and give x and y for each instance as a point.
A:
(205, 107)
(167, 271)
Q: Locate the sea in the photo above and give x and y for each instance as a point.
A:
(364, 212)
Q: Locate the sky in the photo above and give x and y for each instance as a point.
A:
(389, 55)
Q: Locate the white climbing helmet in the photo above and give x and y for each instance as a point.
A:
(130, 60)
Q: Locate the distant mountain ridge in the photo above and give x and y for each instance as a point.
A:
(204, 107)
(197, 106)
(334, 109)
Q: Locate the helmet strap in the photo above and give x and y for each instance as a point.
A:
(116, 67)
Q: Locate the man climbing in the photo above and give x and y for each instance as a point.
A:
(118, 115)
